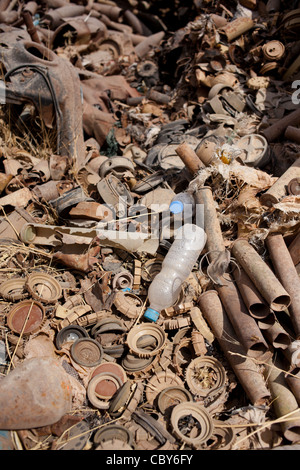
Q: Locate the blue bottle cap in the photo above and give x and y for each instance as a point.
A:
(176, 207)
(151, 314)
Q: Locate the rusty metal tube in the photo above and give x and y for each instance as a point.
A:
(287, 274)
(284, 401)
(266, 322)
(254, 302)
(237, 27)
(277, 336)
(149, 43)
(278, 190)
(274, 131)
(261, 275)
(215, 242)
(243, 323)
(292, 133)
(32, 30)
(189, 158)
(245, 369)
(161, 98)
(293, 380)
(294, 249)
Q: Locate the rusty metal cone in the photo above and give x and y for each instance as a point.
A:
(36, 393)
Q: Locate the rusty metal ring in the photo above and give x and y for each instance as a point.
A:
(172, 396)
(128, 303)
(222, 438)
(13, 289)
(160, 381)
(123, 280)
(205, 376)
(143, 329)
(93, 397)
(108, 368)
(193, 416)
(70, 333)
(43, 287)
(113, 431)
(86, 352)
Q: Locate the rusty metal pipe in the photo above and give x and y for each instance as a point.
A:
(284, 402)
(161, 98)
(287, 274)
(274, 131)
(243, 323)
(32, 31)
(294, 249)
(278, 190)
(277, 336)
(254, 302)
(293, 380)
(245, 369)
(149, 43)
(261, 275)
(292, 133)
(266, 322)
(215, 243)
(237, 27)
(189, 158)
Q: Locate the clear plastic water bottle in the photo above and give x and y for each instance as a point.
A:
(177, 265)
(182, 201)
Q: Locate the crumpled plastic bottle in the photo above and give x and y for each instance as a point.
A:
(181, 202)
(177, 265)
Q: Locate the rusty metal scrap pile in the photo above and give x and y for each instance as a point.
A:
(108, 107)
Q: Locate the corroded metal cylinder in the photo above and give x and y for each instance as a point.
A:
(278, 190)
(254, 302)
(245, 369)
(284, 401)
(292, 378)
(292, 133)
(287, 274)
(215, 242)
(278, 128)
(243, 323)
(261, 275)
(294, 249)
(277, 336)
(189, 158)
(36, 393)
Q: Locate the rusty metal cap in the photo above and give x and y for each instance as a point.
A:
(87, 352)
(29, 313)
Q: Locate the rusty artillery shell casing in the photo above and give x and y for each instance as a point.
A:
(215, 241)
(294, 249)
(237, 27)
(254, 302)
(261, 275)
(266, 322)
(293, 382)
(284, 401)
(287, 274)
(245, 369)
(243, 323)
(278, 128)
(189, 158)
(205, 152)
(278, 190)
(292, 133)
(277, 336)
